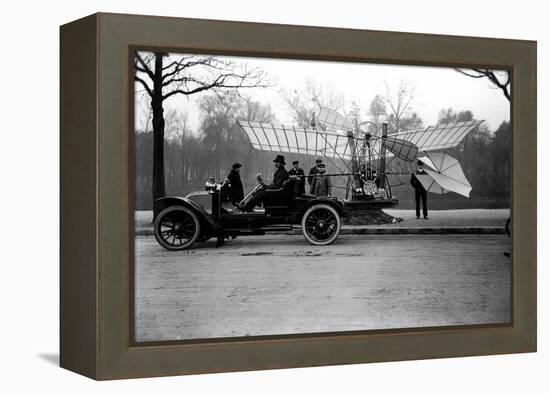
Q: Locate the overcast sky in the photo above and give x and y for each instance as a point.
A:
(435, 88)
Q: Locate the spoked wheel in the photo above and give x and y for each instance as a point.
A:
(321, 224)
(177, 228)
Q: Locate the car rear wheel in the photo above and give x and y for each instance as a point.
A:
(321, 225)
(177, 228)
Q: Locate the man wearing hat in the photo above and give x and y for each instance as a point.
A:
(313, 171)
(233, 186)
(299, 178)
(419, 191)
(320, 186)
(279, 178)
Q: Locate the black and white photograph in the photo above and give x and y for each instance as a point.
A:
(284, 196)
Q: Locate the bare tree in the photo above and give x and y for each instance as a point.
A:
(377, 112)
(177, 127)
(185, 75)
(218, 115)
(176, 123)
(354, 113)
(314, 96)
(143, 107)
(398, 102)
(324, 95)
(499, 79)
(257, 112)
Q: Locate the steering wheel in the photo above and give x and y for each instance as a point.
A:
(260, 180)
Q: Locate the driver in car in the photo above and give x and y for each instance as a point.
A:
(279, 179)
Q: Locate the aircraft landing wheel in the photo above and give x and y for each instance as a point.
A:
(177, 228)
(321, 225)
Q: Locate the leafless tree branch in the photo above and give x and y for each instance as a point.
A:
(144, 66)
(491, 75)
(144, 84)
(399, 102)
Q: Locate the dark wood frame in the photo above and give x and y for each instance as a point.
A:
(97, 196)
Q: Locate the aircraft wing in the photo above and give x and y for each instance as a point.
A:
(441, 136)
(402, 149)
(332, 120)
(293, 139)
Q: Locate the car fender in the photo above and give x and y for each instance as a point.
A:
(326, 201)
(208, 223)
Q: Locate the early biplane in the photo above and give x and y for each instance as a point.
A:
(368, 160)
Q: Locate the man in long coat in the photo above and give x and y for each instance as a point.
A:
(313, 171)
(299, 180)
(321, 186)
(233, 186)
(419, 192)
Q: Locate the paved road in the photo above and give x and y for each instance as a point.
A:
(280, 285)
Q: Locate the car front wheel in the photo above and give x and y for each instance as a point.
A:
(321, 225)
(177, 228)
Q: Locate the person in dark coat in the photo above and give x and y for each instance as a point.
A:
(321, 186)
(233, 186)
(313, 171)
(299, 179)
(419, 192)
(280, 178)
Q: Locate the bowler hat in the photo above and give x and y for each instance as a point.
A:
(236, 165)
(318, 159)
(295, 162)
(280, 159)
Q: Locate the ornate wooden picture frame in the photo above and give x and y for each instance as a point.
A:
(97, 195)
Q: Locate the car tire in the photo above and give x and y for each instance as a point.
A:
(177, 228)
(321, 224)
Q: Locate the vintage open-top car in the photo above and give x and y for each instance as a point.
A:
(181, 221)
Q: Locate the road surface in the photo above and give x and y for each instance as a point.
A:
(438, 219)
(279, 284)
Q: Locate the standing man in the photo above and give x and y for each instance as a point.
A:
(313, 171)
(299, 181)
(233, 186)
(419, 191)
(321, 186)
